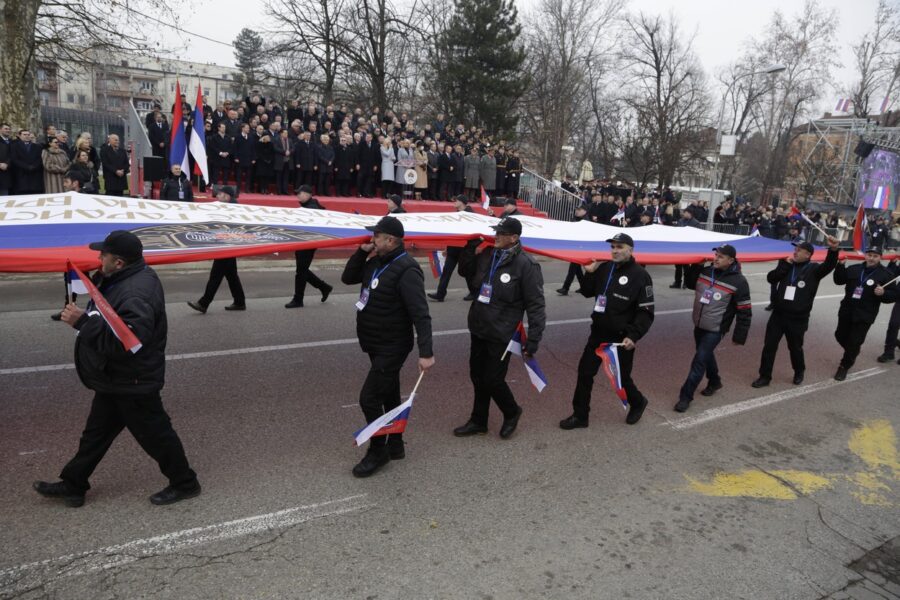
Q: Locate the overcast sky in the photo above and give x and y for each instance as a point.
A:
(721, 27)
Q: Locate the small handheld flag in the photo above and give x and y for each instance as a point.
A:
(755, 231)
(860, 229)
(393, 421)
(516, 346)
(437, 259)
(115, 322)
(485, 199)
(198, 137)
(74, 283)
(609, 356)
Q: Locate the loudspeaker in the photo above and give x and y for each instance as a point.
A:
(863, 148)
(154, 168)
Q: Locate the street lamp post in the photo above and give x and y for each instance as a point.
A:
(715, 178)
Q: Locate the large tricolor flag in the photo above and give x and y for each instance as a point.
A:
(485, 199)
(843, 105)
(104, 309)
(609, 356)
(198, 137)
(515, 346)
(178, 153)
(860, 229)
(437, 259)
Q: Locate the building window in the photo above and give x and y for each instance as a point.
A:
(206, 91)
(45, 98)
(82, 99)
(42, 75)
(114, 102)
(143, 105)
(70, 98)
(147, 86)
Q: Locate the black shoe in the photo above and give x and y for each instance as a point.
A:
(56, 316)
(562, 292)
(711, 388)
(798, 378)
(171, 495)
(469, 297)
(573, 422)
(841, 374)
(59, 489)
(197, 306)
(675, 286)
(236, 307)
(326, 291)
(769, 308)
(636, 411)
(294, 304)
(761, 382)
(374, 459)
(884, 358)
(435, 297)
(683, 404)
(468, 429)
(509, 425)
(395, 448)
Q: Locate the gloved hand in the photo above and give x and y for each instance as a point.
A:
(530, 348)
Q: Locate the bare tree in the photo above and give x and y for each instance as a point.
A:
(877, 61)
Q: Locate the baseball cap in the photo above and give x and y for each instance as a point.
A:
(510, 201)
(461, 198)
(304, 188)
(121, 243)
(395, 199)
(805, 246)
(508, 225)
(621, 238)
(875, 250)
(727, 250)
(389, 225)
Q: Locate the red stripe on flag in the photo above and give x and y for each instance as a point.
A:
(120, 329)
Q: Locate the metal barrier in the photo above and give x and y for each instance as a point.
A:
(727, 228)
(546, 196)
(139, 147)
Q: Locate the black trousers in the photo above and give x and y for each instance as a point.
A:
(343, 187)
(381, 390)
(446, 190)
(679, 272)
(283, 178)
(488, 375)
(303, 275)
(573, 273)
(850, 336)
(791, 327)
(243, 174)
(148, 422)
(587, 370)
(433, 189)
(324, 181)
(364, 183)
(890, 340)
(218, 175)
(223, 268)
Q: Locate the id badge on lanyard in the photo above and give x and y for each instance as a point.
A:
(363, 299)
(707, 296)
(600, 304)
(858, 292)
(484, 294)
(789, 292)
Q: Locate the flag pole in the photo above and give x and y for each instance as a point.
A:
(891, 281)
(822, 231)
(418, 381)
(67, 281)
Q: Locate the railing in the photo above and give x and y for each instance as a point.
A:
(546, 196)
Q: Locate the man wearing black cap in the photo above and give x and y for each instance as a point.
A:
(461, 202)
(864, 294)
(304, 258)
(395, 205)
(796, 281)
(687, 220)
(509, 284)
(510, 208)
(391, 303)
(721, 296)
(126, 384)
(223, 268)
(623, 313)
(574, 272)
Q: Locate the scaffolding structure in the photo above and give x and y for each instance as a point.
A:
(830, 164)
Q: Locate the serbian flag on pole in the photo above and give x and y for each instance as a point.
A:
(754, 232)
(74, 282)
(609, 356)
(884, 104)
(437, 259)
(860, 229)
(485, 199)
(118, 326)
(198, 137)
(393, 421)
(178, 153)
(515, 346)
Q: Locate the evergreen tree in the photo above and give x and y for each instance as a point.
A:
(249, 55)
(483, 77)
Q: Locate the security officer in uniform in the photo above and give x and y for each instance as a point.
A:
(795, 280)
(304, 258)
(721, 296)
(509, 284)
(126, 384)
(391, 302)
(864, 294)
(623, 312)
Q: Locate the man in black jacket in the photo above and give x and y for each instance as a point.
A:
(864, 294)
(5, 160)
(220, 151)
(796, 281)
(891, 340)
(115, 166)
(27, 165)
(126, 384)
(461, 202)
(446, 166)
(510, 285)
(304, 258)
(721, 296)
(623, 313)
(305, 161)
(391, 303)
(368, 160)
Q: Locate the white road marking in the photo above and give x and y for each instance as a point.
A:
(739, 407)
(283, 347)
(31, 575)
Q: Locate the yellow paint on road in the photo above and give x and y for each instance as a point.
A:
(876, 444)
(777, 485)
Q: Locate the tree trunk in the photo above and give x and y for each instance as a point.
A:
(20, 103)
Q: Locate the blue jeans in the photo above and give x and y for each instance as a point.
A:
(704, 362)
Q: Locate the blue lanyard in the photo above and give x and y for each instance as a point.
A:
(608, 279)
(863, 275)
(712, 277)
(495, 262)
(793, 272)
(378, 272)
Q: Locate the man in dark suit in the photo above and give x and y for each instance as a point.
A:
(305, 160)
(220, 151)
(158, 133)
(367, 162)
(244, 157)
(5, 159)
(446, 166)
(27, 165)
(115, 166)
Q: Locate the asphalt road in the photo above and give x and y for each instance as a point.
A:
(783, 493)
